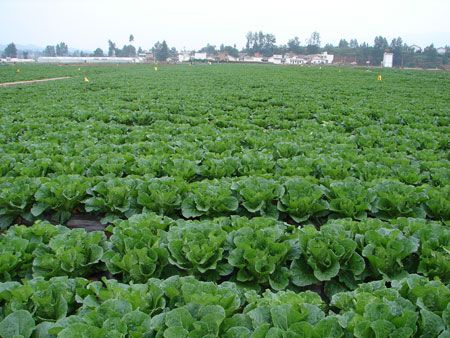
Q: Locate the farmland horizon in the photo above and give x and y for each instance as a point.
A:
(191, 26)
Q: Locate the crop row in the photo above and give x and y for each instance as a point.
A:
(257, 251)
(300, 198)
(194, 167)
(184, 307)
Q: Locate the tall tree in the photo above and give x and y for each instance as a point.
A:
(380, 45)
(313, 43)
(50, 51)
(62, 49)
(230, 50)
(259, 42)
(98, 52)
(397, 47)
(343, 43)
(131, 38)
(353, 43)
(208, 49)
(112, 49)
(161, 51)
(294, 46)
(10, 51)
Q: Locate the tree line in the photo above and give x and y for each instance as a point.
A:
(264, 44)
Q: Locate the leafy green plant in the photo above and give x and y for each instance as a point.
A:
(388, 251)
(136, 249)
(189, 321)
(206, 198)
(113, 197)
(16, 198)
(373, 310)
(196, 246)
(395, 199)
(162, 195)
(302, 199)
(17, 247)
(61, 194)
(258, 252)
(349, 198)
(72, 253)
(326, 254)
(258, 193)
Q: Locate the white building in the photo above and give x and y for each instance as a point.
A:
(322, 59)
(88, 59)
(416, 49)
(294, 60)
(388, 59)
(252, 59)
(17, 60)
(441, 50)
(184, 57)
(276, 59)
(200, 56)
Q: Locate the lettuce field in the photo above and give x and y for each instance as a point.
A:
(224, 201)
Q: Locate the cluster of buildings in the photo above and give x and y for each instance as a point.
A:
(287, 59)
(183, 57)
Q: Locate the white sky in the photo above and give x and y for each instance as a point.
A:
(87, 24)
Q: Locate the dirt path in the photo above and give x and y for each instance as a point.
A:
(18, 83)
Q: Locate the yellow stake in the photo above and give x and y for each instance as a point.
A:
(156, 68)
(86, 79)
(79, 68)
(379, 77)
(18, 71)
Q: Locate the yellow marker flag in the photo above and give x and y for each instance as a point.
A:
(156, 68)
(379, 77)
(79, 68)
(18, 71)
(86, 79)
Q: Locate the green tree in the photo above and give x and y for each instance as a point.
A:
(380, 45)
(432, 59)
(259, 42)
(98, 52)
(353, 43)
(161, 51)
(209, 49)
(10, 50)
(398, 49)
(313, 43)
(131, 38)
(62, 49)
(112, 49)
(294, 46)
(343, 43)
(50, 51)
(230, 50)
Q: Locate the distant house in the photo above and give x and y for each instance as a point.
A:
(388, 59)
(295, 60)
(441, 50)
(321, 59)
(252, 59)
(276, 59)
(184, 57)
(416, 49)
(224, 57)
(200, 56)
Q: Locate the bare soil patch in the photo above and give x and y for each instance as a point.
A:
(18, 83)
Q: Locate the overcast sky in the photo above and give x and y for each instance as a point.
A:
(87, 24)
